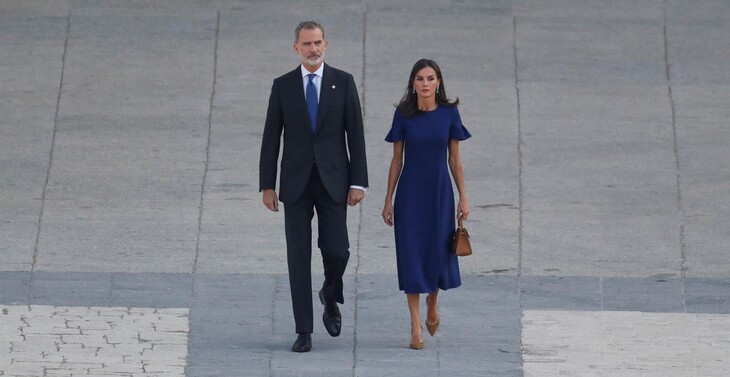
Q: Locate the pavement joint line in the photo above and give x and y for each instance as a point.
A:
(355, 298)
(110, 297)
(193, 305)
(207, 145)
(360, 206)
(44, 192)
(600, 292)
(675, 145)
(520, 165)
(194, 294)
(273, 322)
(520, 170)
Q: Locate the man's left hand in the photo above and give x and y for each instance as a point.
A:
(355, 196)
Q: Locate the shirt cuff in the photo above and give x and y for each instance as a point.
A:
(359, 187)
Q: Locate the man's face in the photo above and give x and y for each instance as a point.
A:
(311, 47)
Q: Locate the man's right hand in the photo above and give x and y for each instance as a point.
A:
(270, 200)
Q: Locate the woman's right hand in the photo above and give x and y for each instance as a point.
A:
(388, 213)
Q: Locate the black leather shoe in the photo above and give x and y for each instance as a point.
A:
(331, 317)
(303, 343)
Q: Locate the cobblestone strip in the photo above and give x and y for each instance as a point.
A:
(40, 340)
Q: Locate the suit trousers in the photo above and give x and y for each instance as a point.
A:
(332, 241)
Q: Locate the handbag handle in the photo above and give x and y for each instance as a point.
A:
(461, 227)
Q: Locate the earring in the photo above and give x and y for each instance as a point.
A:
(414, 90)
(437, 90)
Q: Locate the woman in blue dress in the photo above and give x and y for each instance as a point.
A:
(425, 134)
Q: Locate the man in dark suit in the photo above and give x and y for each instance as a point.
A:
(318, 110)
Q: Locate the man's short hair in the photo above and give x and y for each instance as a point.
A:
(307, 25)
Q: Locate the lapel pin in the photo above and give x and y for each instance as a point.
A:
(333, 86)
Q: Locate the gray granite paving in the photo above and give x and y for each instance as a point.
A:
(598, 179)
(243, 321)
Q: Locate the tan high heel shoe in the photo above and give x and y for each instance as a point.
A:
(432, 326)
(417, 345)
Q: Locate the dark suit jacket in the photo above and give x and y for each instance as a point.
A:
(339, 130)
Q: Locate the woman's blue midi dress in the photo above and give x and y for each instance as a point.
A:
(424, 211)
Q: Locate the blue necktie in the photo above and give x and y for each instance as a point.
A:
(312, 101)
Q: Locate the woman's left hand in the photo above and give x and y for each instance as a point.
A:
(388, 213)
(462, 210)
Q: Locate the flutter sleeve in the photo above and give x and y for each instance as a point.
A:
(457, 130)
(397, 133)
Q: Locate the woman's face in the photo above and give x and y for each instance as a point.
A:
(426, 82)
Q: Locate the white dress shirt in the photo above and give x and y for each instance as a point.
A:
(317, 80)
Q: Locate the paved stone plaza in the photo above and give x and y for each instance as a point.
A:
(133, 240)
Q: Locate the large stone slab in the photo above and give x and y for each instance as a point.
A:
(697, 52)
(600, 192)
(33, 41)
(124, 190)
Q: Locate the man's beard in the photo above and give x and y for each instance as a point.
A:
(315, 61)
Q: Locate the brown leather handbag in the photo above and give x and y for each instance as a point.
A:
(460, 242)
